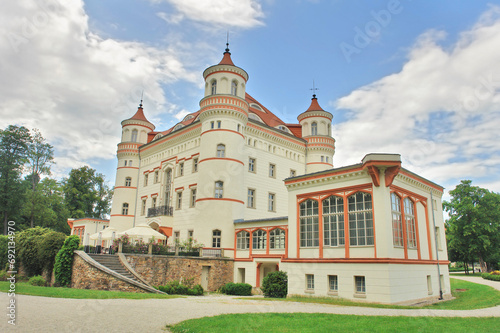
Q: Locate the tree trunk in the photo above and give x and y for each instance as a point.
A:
(482, 264)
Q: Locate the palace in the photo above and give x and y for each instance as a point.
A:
(251, 187)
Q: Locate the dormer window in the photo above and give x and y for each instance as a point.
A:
(234, 88)
(314, 129)
(178, 126)
(214, 87)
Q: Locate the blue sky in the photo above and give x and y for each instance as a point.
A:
(419, 78)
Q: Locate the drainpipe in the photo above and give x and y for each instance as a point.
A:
(437, 252)
(137, 189)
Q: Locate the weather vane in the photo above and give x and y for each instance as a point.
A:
(227, 42)
(314, 89)
(142, 95)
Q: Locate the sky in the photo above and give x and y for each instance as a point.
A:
(418, 78)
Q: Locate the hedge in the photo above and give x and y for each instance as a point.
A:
(177, 288)
(64, 260)
(494, 276)
(240, 289)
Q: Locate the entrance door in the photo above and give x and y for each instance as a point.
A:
(205, 274)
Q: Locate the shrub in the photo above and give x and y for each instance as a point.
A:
(4, 240)
(275, 284)
(37, 280)
(50, 244)
(27, 244)
(64, 260)
(491, 276)
(177, 288)
(239, 289)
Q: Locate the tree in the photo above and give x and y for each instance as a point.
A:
(474, 223)
(86, 193)
(14, 143)
(40, 156)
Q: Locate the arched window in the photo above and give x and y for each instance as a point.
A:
(214, 87)
(128, 181)
(125, 209)
(333, 221)
(309, 227)
(314, 128)
(134, 136)
(329, 129)
(221, 150)
(411, 235)
(243, 240)
(277, 239)
(234, 88)
(259, 239)
(219, 189)
(397, 223)
(216, 236)
(360, 219)
(168, 186)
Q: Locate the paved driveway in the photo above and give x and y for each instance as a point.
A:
(43, 314)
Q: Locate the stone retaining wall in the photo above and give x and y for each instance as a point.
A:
(85, 276)
(157, 270)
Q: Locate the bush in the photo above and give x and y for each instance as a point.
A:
(275, 284)
(27, 244)
(177, 288)
(4, 240)
(64, 260)
(239, 289)
(491, 276)
(37, 280)
(50, 244)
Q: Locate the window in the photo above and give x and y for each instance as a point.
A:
(216, 236)
(190, 234)
(322, 158)
(251, 198)
(292, 173)
(125, 209)
(259, 239)
(272, 170)
(179, 200)
(134, 136)
(397, 223)
(271, 202)
(168, 186)
(153, 203)
(181, 169)
(309, 281)
(277, 239)
(333, 221)
(143, 207)
(146, 176)
(212, 125)
(309, 228)
(360, 284)
(326, 158)
(129, 162)
(195, 165)
(157, 176)
(333, 283)
(314, 129)
(128, 181)
(126, 162)
(360, 219)
(214, 87)
(193, 197)
(221, 150)
(234, 88)
(243, 240)
(219, 124)
(411, 235)
(219, 189)
(251, 165)
(177, 236)
(238, 127)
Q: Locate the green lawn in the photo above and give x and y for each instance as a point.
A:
(319, 322)
(24, 288)
(476, 296)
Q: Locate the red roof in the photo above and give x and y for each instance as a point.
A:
(267, 116)
(226, 59)
(314, 105)
(139, 115)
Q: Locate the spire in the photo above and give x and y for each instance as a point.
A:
(226, 59)
(314, 105)
(139, 115)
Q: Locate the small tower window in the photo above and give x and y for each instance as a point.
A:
(216, 236)
(125, 209)
(219, 189)
(221, 150)
(214, 87)
(134, 136)
(128, 181)
(314, 129)
(234, 88)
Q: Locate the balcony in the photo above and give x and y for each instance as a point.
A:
(161, 211)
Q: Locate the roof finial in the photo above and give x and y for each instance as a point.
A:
(142, 95)
(314, 90)
(227, 42)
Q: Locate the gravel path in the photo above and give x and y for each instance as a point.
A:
(44, 314)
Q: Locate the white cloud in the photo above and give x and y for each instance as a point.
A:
(73, 85)
(441, 111)
(235, 13)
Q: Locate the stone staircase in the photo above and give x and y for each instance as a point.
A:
(113, 263)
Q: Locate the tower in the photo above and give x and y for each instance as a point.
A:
(134, 134)
(316, 130)
(223, 116)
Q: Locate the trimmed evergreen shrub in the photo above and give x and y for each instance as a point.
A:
(64, 261)
(275, 285)
(37, 280)
(239, 289)
(177, 288)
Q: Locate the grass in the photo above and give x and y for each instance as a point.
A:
(24, 288)
(319, 322)
(476, 296)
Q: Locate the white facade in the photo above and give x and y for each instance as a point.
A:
(218, 176)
